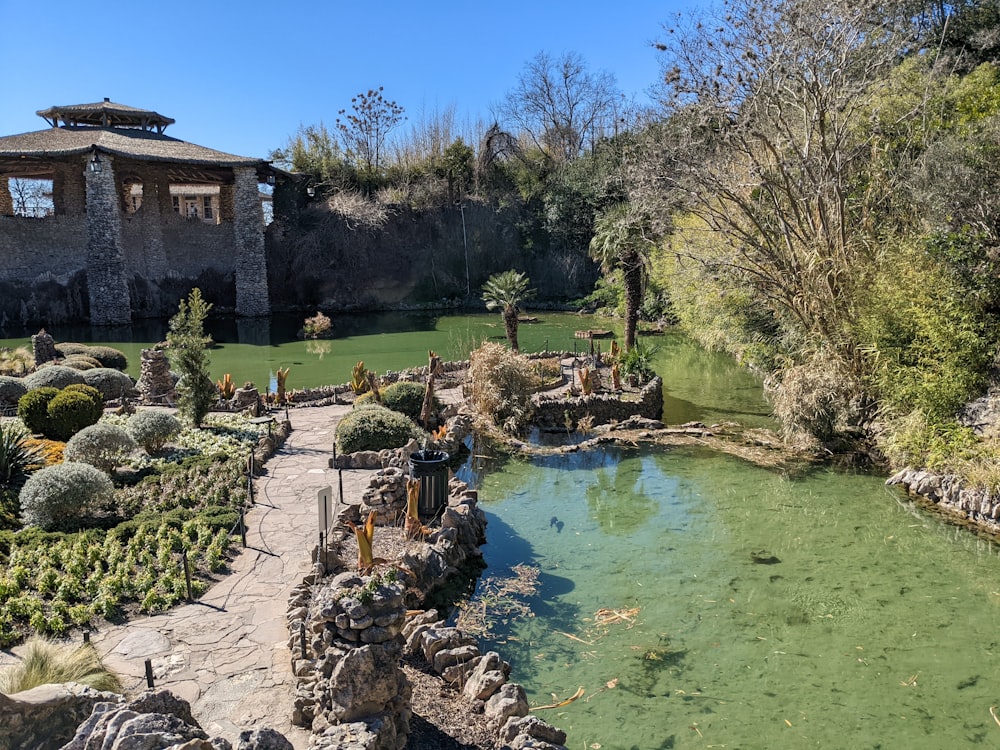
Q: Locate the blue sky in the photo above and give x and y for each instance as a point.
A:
(243, 76)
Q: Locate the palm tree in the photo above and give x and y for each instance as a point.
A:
(507, 290)
(620, 242)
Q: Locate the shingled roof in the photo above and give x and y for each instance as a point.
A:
(110, 128)
(105, 114)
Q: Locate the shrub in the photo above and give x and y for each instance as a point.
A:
(108, 357)
(111, 383)
(53, 376)
(152, 429)
(373, 428)
(58, 497)
(501, 383)
(48, 663)
(317, 326)
(102, 445)
(70, 348)
(817, 400)
(70, 411)
(80, 362)
(407, 398)
(11, 389)
(33, 408)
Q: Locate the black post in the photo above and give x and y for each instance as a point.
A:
(149, 673)
(86, 636)
(187, 574)
(243, 528)
(302, 638)
(340, 481)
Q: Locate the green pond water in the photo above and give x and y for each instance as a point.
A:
(763, 611)
(700, 385)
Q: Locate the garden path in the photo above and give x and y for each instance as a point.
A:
(227, 653)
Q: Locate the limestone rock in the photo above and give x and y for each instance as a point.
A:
(533, 727)
(46, 717)
(263, 739)
(509, 700)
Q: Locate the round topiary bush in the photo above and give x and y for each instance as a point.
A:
(111, 383)
(101, 445)
(70, 411)
(70, 348)
(33, 408)
(54, 376)
(80, 362)
(11, 390)
(58, 497)
(373, 428)
(406, 397)
(152, 429)
(108, 357)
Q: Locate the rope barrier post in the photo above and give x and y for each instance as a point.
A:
(187, 574)
(302, 638)
(149, 673)
(340, 482)
(243, 529)
(86, 636)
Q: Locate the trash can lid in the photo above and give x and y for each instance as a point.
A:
(429, 455)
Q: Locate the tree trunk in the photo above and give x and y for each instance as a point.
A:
(510, 323)
(632, 280)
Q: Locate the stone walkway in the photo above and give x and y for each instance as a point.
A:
(227, 653)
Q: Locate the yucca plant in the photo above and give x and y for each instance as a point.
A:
(46, 662)
(19, 456)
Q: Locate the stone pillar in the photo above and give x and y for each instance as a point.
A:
(6, 201)
(153, 181)
(106, 278)
(248, 227)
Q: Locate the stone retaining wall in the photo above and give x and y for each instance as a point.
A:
(553, 412)
(949, 494)
(348, 633)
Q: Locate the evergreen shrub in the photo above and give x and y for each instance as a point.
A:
(70, 411)
(80, 362)
(152, 429)
(59, 497)
(33, 408)
(102, 445)
(373, 428)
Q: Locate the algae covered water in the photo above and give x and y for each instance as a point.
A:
(702, 602)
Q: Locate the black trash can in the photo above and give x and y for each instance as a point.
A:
(431, 468)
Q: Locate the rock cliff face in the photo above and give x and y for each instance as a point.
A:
(74, 717)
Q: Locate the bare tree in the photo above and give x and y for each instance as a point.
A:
(364, 129)
(765, 143)
(561, 105)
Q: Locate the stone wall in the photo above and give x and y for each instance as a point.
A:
(949, 494)
(552, 412)
(348, 633)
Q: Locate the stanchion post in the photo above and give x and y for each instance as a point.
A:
(149, 673)
(187, 574)
(302, 638)
(243, 528)
(340, 482)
